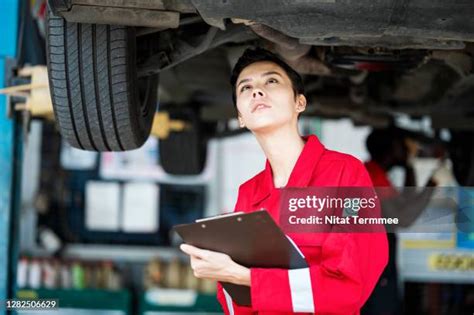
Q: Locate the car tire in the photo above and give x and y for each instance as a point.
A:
(99, 102)
(184, 152)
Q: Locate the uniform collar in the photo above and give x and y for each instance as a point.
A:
(301, 174)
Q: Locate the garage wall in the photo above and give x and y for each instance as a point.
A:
(341, 135)
(242, 158)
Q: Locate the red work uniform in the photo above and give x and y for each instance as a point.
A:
(343, 267)
(380, 180)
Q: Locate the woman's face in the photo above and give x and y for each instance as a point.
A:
(265, 97)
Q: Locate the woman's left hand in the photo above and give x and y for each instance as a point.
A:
(207, 264)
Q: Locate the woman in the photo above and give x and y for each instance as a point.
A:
(343, 268)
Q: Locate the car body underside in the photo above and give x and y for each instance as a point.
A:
(368, 60)
(362, 59)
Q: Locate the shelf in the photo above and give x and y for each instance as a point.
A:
(423, 265)
(203, 304)
(139, 254)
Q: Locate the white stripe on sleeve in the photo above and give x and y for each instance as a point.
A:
(301, 291)
(228, 300)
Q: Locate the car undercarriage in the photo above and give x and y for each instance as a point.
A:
(368, 61)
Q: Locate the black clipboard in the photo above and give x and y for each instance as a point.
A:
(250, 239)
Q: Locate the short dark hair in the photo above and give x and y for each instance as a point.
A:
(251, 56)
(380, 141)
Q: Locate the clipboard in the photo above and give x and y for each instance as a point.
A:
(250, 239)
